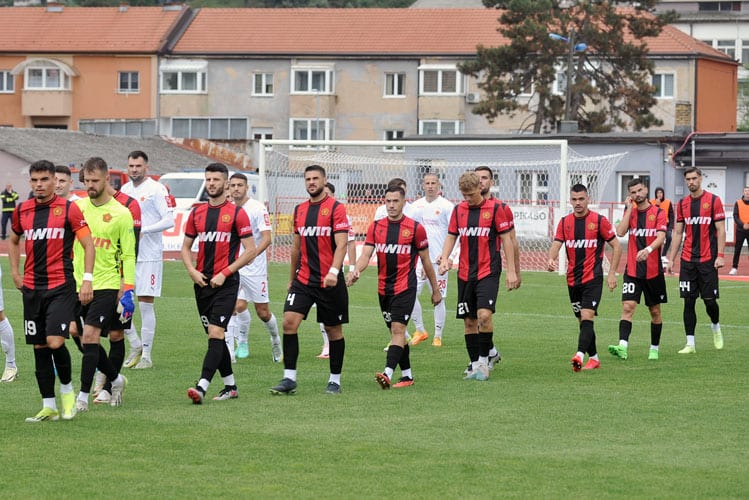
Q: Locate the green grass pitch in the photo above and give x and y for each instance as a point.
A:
(677, 427)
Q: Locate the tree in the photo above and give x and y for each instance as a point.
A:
(610, 78)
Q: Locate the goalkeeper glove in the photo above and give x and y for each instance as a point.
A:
(126, 307)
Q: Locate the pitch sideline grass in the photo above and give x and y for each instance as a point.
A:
(676, 427)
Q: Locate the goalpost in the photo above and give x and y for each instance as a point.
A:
(531, 176)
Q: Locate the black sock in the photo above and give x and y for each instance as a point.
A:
(405, 361)
(45, 372)
(395, 352)
(337, 350)
(88, 365)
(117, 353)
(625, 328)
(105, 365)
(655, 333)
(587, 339)
(212, 358)
(290, 343)
(713, 310)
(486, 342)
(224, 368)
(689, 316)
(61, 356)
(472, 346)
(77, 340)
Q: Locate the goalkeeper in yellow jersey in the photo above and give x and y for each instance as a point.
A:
(111, 227)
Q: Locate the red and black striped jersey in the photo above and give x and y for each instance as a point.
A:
(644, 226)
(583, 239)
(478, 228)
(49, 231)
(699, 216)
(397, 245)
(316, 225)
(509, 216)
(131, 204)
(219, 230)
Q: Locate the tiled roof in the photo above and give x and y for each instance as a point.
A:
(65, 147)
(85, 29)
(368, 32)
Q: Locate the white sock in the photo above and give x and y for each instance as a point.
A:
(580, 355)
(290, 374)
(272, 326)
(49, 403)
(8, 344)
(83, 396)
(417, 317)
(335, 377)
(66, 388)
(440, 313)
(229, 380)
(714, 326)
(483, 360)
(325, 341)
(243, 322)
(322, 329)
(623, 343)
(690, 340)
(406, 373)
(147, 327)
(204, 384)
(595, 357)
(229, 339)
(388, 372)
(133, 339)
(493, 352)
(654, 347)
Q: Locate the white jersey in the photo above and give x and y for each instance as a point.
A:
(154, 209)
(382, 211)
(260, 221)
(435, 217)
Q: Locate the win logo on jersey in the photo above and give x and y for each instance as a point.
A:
(393, 248)
(217, 236)
(581, 243)
(314, 230)
(44, 233)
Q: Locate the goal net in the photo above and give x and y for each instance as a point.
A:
(531, 176)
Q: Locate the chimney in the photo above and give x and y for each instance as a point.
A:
(124, 6)
(54, 6)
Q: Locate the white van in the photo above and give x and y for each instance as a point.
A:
(188, 188)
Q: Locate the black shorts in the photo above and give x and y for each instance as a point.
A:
(654, 290)
(397, 308)
(332, 303)
(216, 305)
(586, 296)
(100, 312)
(475, 295)
(48, 313)
(698, 279)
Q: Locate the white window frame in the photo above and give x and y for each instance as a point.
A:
(744, 52)
(328, 127)
(662, 77)
(5, 77)
(201, 78)
(45, 68)
(210, 120)
(727, 46)
(128, 90)
(265, 80)
(458, 126)
(329, 84)
(585, 179)
(393, 135)
(399, 80)
(538, 192)
(460, 80)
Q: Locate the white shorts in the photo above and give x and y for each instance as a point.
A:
(253, 289)
(148, 278)
(441, 279)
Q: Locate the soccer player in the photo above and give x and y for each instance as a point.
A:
(382, 212)
(319, 246)
(116, 328)
(701, 218)
(583, 233)
(64, 178)
(253, 278)
(111, 227)
(8, 343)
(433, 212)
(398, 241)
(50, 225)
(330, 191)
(646, 225)
(220, 227)
(157, 216)
(477, 222)
(665, 204)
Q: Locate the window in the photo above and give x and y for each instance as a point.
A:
(210, 128)
(311, 129)
(186, 82)
(262, 133)
(728, 47)
(312, 81)
(395, 84)
(625, 178)
(533, 186)
(718, 6)
(440, 127)
(262, 84)
(664, 85)
(393, 135)
(440, 81)
(46, 76)
(589, 180)
(129, 82)
(137, 128)
(745, 52)
(6, 82)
